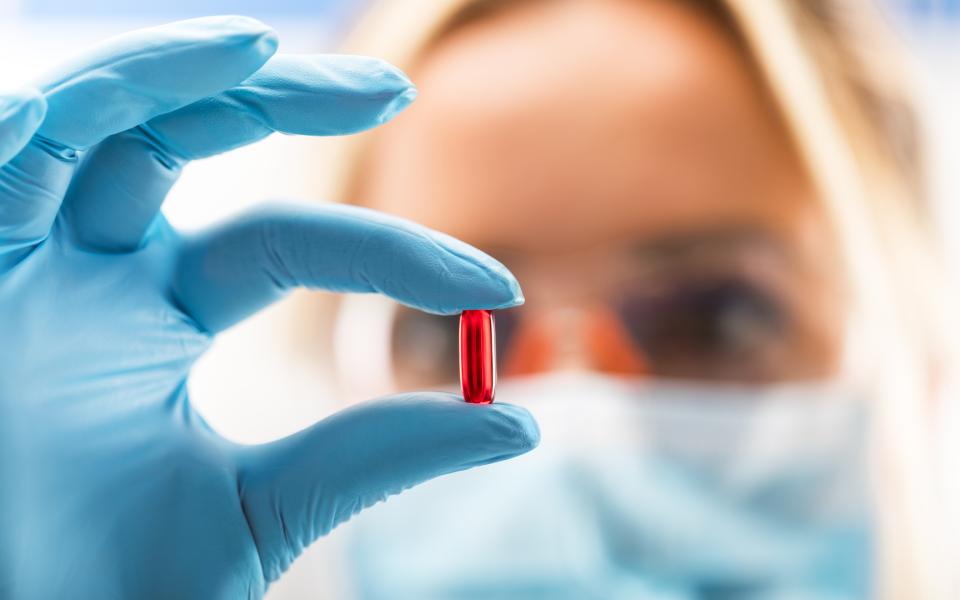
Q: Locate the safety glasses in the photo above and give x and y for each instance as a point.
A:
(714, 328)
(733, 308)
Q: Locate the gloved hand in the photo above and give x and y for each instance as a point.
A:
(111, 486)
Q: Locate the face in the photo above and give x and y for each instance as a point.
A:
(624, 160)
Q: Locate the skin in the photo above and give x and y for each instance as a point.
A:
(611, 147)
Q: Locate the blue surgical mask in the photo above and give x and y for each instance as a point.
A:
(641, 490)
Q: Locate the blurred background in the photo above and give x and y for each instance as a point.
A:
(249, 385)
(38, 33)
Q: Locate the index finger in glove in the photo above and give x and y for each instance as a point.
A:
(229, 272)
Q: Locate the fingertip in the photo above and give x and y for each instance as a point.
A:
(508, 293)
(240, 25)
(503, 430)
(257, 36)
(385, 89)
(523, 432)
(223, 30)
(267, 43)
(514, 290)
(398, 104)
(386, 75)
(490, 284)
(392, 81)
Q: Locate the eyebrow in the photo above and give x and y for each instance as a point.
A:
(679, 245)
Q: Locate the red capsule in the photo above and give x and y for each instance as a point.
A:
(478, 365)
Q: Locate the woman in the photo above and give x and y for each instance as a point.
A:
(716, 209)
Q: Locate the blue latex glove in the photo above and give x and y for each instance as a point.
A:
(111, 486)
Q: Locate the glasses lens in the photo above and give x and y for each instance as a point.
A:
(714, 329)
(717, 328)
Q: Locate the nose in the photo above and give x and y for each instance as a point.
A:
(565, 338)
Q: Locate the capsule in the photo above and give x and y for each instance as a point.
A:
(478, 365)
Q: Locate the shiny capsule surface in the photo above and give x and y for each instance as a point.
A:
(478, 375)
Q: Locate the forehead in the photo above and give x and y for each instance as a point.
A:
(565, 124)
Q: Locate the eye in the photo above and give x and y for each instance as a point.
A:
(718, 328)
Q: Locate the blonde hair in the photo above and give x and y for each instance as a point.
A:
(844, 100)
